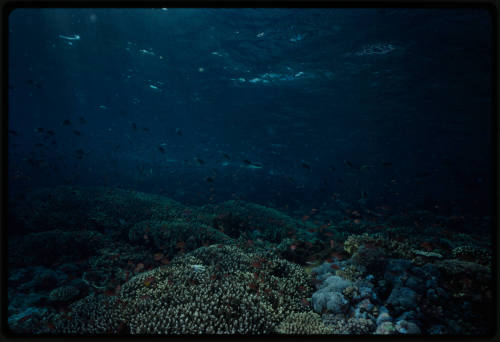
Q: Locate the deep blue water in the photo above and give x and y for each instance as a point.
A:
(375, 107)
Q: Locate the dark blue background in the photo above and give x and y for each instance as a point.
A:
(424, 107)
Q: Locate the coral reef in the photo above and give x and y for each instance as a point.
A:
(109, 261)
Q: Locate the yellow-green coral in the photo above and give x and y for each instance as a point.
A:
(350, 272)
(351, 292)
(354, 326)
(471, 253)
(392, 248)
(303, 323)
(211, 290)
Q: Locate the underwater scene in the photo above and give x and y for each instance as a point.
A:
(250, 171)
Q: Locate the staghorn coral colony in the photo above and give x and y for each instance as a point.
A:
(108, 261)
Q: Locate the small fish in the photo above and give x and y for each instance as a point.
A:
(50, 133)
(356, 213)
(348, 163)
(139, 267)
(11, 131)
(25, 318)
(39, 130)
(209, 179)
(387, 164)
(134, 126)
(74, 37)
(201, 161)
(181, 244)
(293, 247)
(162, 150)
(66, 122)
(306, 166)
(226, 156)
(246, 161)
(145, 129)
(255, 166)
(178, 131)
(77, 132)
(82, 120)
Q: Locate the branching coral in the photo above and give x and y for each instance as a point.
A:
(304, 323)
(211, 290)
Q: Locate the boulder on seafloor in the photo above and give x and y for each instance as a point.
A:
(385, 328)
(437, 329)
(395, 268)
(383, 316)
(416, 284)
(405, 327)
(402, 299)
(334, 284)
(334, 302)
